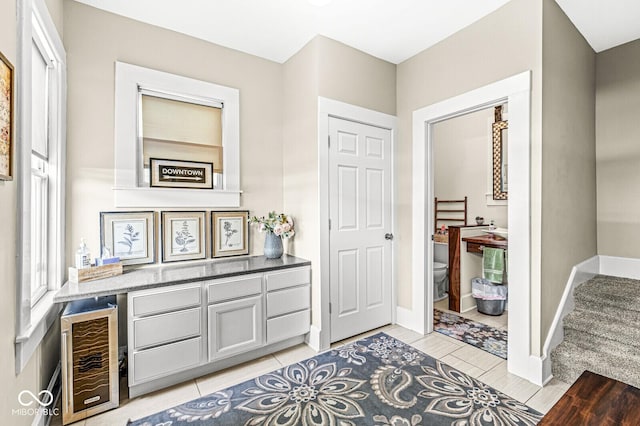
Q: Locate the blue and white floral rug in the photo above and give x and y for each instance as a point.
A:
(482, 336)
(377, 381)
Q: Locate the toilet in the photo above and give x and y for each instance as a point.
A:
(440, 271)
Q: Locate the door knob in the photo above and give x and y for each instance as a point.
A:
(388, 236)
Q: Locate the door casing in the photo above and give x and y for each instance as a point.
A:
(516, 90)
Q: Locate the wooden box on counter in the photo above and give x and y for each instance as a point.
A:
(94, 272)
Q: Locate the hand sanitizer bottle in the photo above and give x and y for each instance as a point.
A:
(83, 258)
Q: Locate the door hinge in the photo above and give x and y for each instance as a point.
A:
(329, 224)
(329, 307)
(329, 141)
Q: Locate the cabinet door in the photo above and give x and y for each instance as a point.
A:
(235, 327)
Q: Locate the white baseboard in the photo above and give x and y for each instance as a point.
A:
(313, 338)
(620, 267)
(404, 318)
(41, 419)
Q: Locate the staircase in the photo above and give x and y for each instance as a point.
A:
(602, 334)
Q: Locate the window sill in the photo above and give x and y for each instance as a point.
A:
(159, 197)
(43, 316)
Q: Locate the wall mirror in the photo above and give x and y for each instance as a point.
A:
(500, 146)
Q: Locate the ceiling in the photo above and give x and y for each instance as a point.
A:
(393, 30)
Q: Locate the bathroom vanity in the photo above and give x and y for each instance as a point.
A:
(185, 321)
(466, 244)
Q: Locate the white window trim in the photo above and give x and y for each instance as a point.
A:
(32, 323)
(127, 193)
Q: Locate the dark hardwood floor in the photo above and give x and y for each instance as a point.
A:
(596, 400)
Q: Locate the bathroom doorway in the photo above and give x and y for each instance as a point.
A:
(463, 182)
(516, 91)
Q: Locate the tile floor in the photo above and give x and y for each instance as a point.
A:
(488, 368)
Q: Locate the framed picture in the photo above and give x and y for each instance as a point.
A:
(183, 236)
(230, 234)
(129, 235)
(6, 118)
(180, 174)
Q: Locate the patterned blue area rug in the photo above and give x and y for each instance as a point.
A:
(482, 336)
(377, 381)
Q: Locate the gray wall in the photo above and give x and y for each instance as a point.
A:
(618, 150)
(568, 156)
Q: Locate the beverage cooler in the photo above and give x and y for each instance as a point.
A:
(89, 333)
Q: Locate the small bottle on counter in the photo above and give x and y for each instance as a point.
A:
(83, 258)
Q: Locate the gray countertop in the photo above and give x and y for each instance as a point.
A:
(158, 276)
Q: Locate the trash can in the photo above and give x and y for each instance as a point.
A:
(491, 298)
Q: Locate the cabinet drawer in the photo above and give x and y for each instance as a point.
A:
(474, 248)
(288, 278)
(164, 360)
(166, 328)
(165, 299)
(233, 288)
(286, 326)
(288, 300)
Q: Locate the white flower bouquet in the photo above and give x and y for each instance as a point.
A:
(279, 224)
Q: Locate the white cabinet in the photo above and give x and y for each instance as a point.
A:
(183, 331)
(235, 316)
(164, 331)
(235, 327)
(288, 303)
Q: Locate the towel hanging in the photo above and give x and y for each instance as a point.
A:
(493, 265)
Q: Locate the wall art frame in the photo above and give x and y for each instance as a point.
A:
(129, 235)
(183, 235)
(6, 118)
(229, 233)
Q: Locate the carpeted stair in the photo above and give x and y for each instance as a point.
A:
(602, 334)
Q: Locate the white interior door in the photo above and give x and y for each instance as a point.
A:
(360, 227)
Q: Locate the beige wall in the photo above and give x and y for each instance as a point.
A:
(300, 160)
(462, 152)
(94, 40)
(618, 150)
(330, 69)
(504, 43)
(36, 374)
(352, 76)
(568, 156)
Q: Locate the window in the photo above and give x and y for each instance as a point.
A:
(181, 129)
(172, 117)
(41, 135)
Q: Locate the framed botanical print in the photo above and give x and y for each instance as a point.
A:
(6, 118)
(183, 236)
(131, 236)
(230, 236)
